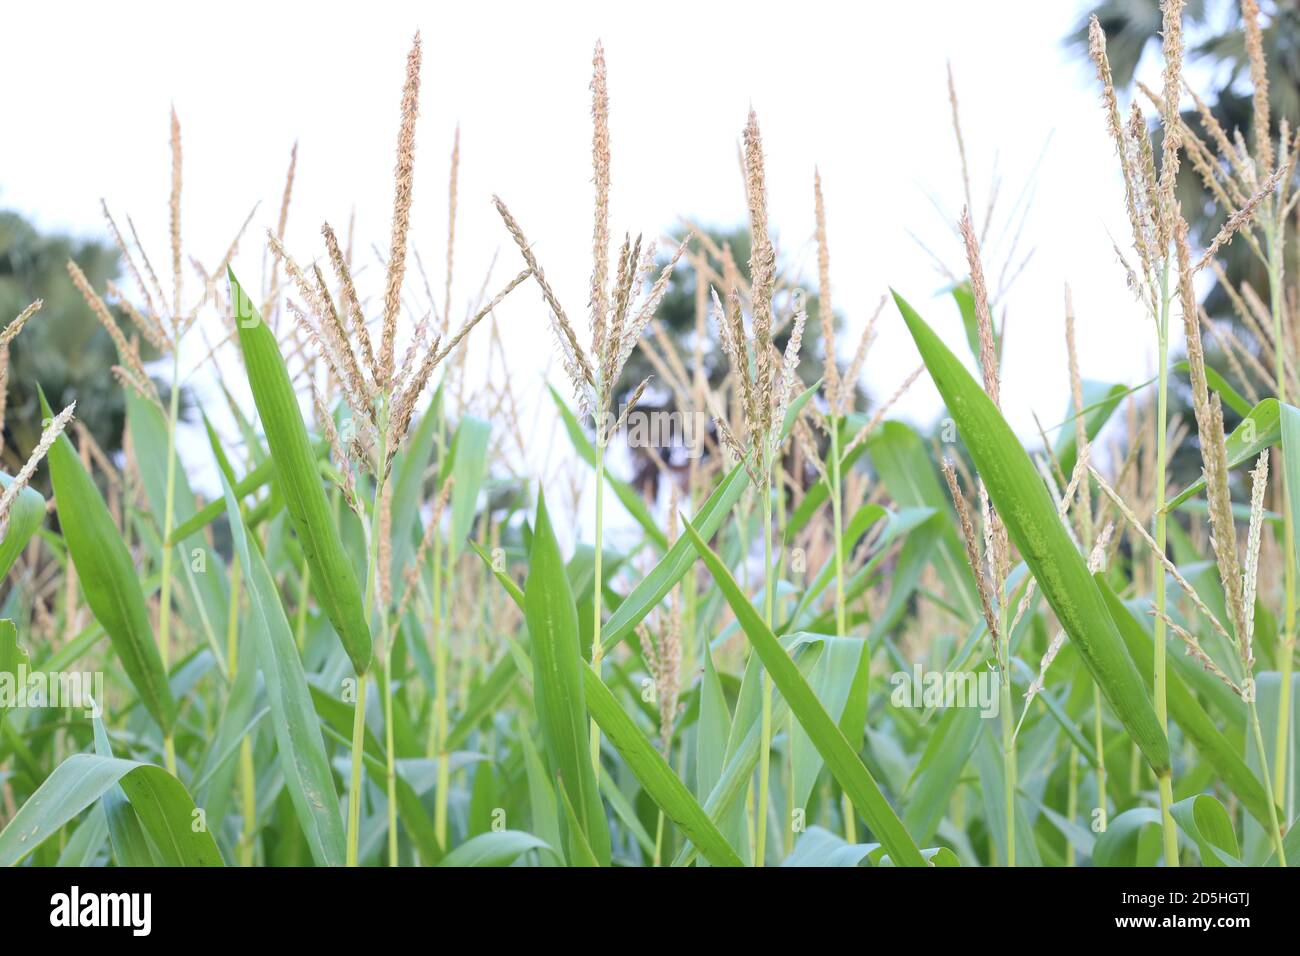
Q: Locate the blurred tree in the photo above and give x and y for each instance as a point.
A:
(63, 347)
(1220, 76)
(1217, 49)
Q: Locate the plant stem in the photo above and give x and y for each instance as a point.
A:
(1160, 682)
(837, 516)
(1275, 830)
(1072, 801)
(359, 717)
(1008, 754)
(1099, 744)
(1286, 639)
(597, 592)
(440, 684)
(841, 611)
(165, 588)
(765, 733)
(391, 775)
(354, 791)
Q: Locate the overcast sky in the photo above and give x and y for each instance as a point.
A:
(857, 89)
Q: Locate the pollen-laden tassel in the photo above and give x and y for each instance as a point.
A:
(599, 299)
(1250, 578)
(825, 309)
(973, 555)
(127, 351)
(762, 271)
(351, 303)
(1172, 37)
(984, 318)
(1209, 425)
(403, 186)
(1259, 80)
(175, 210)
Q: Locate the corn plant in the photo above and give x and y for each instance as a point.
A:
(383, 638)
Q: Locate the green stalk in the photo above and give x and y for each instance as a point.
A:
(1161, 679)
(1072, 801)
(359, 717)
(1275, 830)
(597, 594)
(441, 659)
(354, 792)
(1286, 640)
(837, 515)
(165, 589)
(391, 775)
(247, 778)
(765, 733)
(1099, 744)
(841, 611)
(1008, 747)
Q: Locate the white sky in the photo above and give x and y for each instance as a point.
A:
(859, 90)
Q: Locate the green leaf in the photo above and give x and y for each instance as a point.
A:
(496, 848)
(12, 657)
(658, 779)
(255, 479)
(1031, 520)
(1257, 431)
(298, 738)
(1187, 712)
(332, 577)
(832, 679)
(209, 589)
(1203, 819)
(160, 801)
(130, 848)
(650, 590)
(108, 577)
(909, 474)
(1099, 402)
(25, 515)
(552, 620)
(712, 728)
(1231, 397)
(838, 753)
(468, 471)
(408, 485)
(937, 773)
(1121, 844)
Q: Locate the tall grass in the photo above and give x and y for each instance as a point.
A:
(785, 591)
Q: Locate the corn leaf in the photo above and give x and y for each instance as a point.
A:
(840, 757)
(552, 620)
(25, 516)
(1031, 520)
(498, 848)
(298, 738)
(332, 577)
(1257, 431)
(1187, 712)
(108, 577)
(160, 801)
